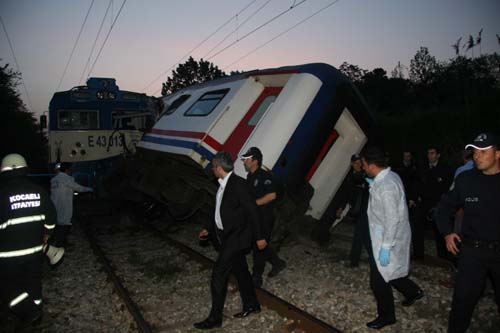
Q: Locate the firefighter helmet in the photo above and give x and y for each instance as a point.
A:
(12, 162)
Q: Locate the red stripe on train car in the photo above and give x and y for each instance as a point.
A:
(324, 150)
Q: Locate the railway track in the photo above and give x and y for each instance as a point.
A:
(297, 320)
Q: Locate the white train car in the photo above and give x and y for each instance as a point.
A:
(307, 120)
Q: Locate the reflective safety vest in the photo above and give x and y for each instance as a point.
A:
(26, 214)
(20, 220)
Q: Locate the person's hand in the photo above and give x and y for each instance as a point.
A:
(411, 204)
(451, 242)
(203, 234)
(261, 244)
(384, 256)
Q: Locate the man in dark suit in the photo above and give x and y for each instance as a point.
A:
(435, 179)
(235, 225)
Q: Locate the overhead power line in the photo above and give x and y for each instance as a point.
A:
(17, 66)
(258, 28)
(199, 44)
(237, 27)
(74, 46)
(107, 36)
(251, 32)
(282, 33)
(95, 41)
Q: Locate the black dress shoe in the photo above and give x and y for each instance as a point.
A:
(208, 324)
(246, 312)
(379, 322)
(410, 301)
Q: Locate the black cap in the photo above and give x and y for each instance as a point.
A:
(254, 153)
(484, 141)
(355, 157)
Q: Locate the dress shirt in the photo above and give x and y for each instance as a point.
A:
(218, 200)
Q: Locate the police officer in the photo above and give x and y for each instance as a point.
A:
(27, 217)
(353, 191)
(264, 191)
(477, 191)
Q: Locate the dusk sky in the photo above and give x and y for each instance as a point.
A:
(151, 36)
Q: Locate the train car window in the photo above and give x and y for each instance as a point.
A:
(131, 120)
(175, 104)
(78, 119)
(266, 104)
(206, 103)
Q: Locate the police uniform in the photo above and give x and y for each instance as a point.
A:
(261, 183)
(479, 195)
(26, 213)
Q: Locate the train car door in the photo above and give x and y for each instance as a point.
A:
(246, 126)
(333, 163)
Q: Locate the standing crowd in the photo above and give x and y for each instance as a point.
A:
(391, 207)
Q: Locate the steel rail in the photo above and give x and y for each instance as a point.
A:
(142, 325)
(301, 319)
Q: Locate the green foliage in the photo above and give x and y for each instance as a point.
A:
(442, 103)
(19, 130)
(423, 67)
(189, 73)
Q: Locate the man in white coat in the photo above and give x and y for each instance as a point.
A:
(390, 236)
(62, 187)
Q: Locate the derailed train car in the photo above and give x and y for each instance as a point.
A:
(307, 120)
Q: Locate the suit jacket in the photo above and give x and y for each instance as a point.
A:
(434, 182)
(239, 215)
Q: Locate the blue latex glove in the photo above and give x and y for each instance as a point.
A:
(384, 256)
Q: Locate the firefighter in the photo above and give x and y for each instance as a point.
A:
(27, 217)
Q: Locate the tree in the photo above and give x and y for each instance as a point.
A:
(470, 45)
(189, 73)
(456, 46)
(397, 72)
(423, 67)
(19, 129)
(353, 72)
(479, 39)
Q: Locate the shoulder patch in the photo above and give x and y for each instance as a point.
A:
(268, 182)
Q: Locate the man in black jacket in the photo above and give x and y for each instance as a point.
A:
(27, 217)
(477, 191)
(434, 180)
(262, 186)
(352, 192)
(235, 224)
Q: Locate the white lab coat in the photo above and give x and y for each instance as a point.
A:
(389, 224)
(62, 187)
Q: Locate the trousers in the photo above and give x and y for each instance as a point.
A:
(231, 261)
(383, 290)
(473, 267)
